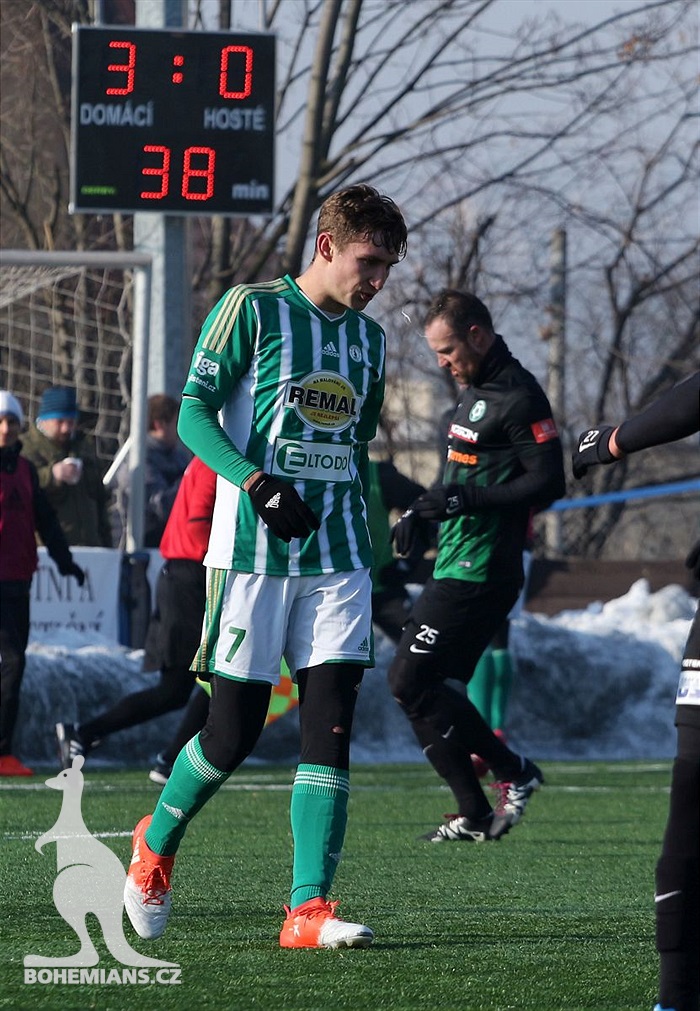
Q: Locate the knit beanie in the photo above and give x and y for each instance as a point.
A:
(57, 402)
(11, 405)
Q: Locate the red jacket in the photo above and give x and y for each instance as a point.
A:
(25, 509)
(186, 533)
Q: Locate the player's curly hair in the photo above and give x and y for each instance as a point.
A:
(361, 212)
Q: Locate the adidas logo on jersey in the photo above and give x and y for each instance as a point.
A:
(330, 349)
(274, 502)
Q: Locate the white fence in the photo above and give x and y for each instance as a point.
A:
(59, 607)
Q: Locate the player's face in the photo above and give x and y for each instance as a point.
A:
(453, 352)
(9, 430)
(358, 271)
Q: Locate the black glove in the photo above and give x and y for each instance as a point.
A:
(592, 449)
(693, 560)
(442, 502)
(74, 570)
(404, 531)
(281, 508)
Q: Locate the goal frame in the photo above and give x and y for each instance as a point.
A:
(141, 264)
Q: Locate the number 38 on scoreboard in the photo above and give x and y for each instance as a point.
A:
(172, 121)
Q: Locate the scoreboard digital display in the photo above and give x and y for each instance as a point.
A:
(172, 121)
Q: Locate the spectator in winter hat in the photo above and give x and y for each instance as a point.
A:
(69, 470)
(11, 407)
(24, 509)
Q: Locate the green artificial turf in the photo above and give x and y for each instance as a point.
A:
(557, 915)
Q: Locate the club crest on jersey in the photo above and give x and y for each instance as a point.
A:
(325, 401)
(478, 411)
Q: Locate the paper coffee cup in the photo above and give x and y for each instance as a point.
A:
(76, 462)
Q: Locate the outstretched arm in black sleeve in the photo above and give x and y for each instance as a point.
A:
(51, 533)
(675, 415)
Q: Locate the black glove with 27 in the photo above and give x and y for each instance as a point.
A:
(281, 508)
(592, 449)
(443, 501)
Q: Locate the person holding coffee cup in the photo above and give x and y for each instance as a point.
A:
(71, 469)
(70, 472)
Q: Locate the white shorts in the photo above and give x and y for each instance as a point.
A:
(253, 620)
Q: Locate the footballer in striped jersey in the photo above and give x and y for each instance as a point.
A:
(281, 400)
(299, 390)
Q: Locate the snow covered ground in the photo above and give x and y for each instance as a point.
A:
(598, 683)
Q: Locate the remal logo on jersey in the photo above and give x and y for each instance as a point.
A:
(325, 401)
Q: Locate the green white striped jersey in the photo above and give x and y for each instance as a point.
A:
(299, 395)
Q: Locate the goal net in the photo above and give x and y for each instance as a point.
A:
(72, 319)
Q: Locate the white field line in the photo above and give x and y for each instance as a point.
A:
(261, 781)
(286, 787)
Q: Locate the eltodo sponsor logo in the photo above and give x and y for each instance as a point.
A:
(311, 461)
(90, 879)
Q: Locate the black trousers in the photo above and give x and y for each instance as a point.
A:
(677, 903)
(450, 626)
(14, 636)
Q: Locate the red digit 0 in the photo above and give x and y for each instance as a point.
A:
(163, 171)
(189, 173)
(128, 68)
(248, 73)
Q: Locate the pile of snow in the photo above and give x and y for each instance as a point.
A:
(598, 683)
(601, 683)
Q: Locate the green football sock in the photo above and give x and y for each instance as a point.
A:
(480, 687)
(318, 815)
(502, 683)
(190, 785)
